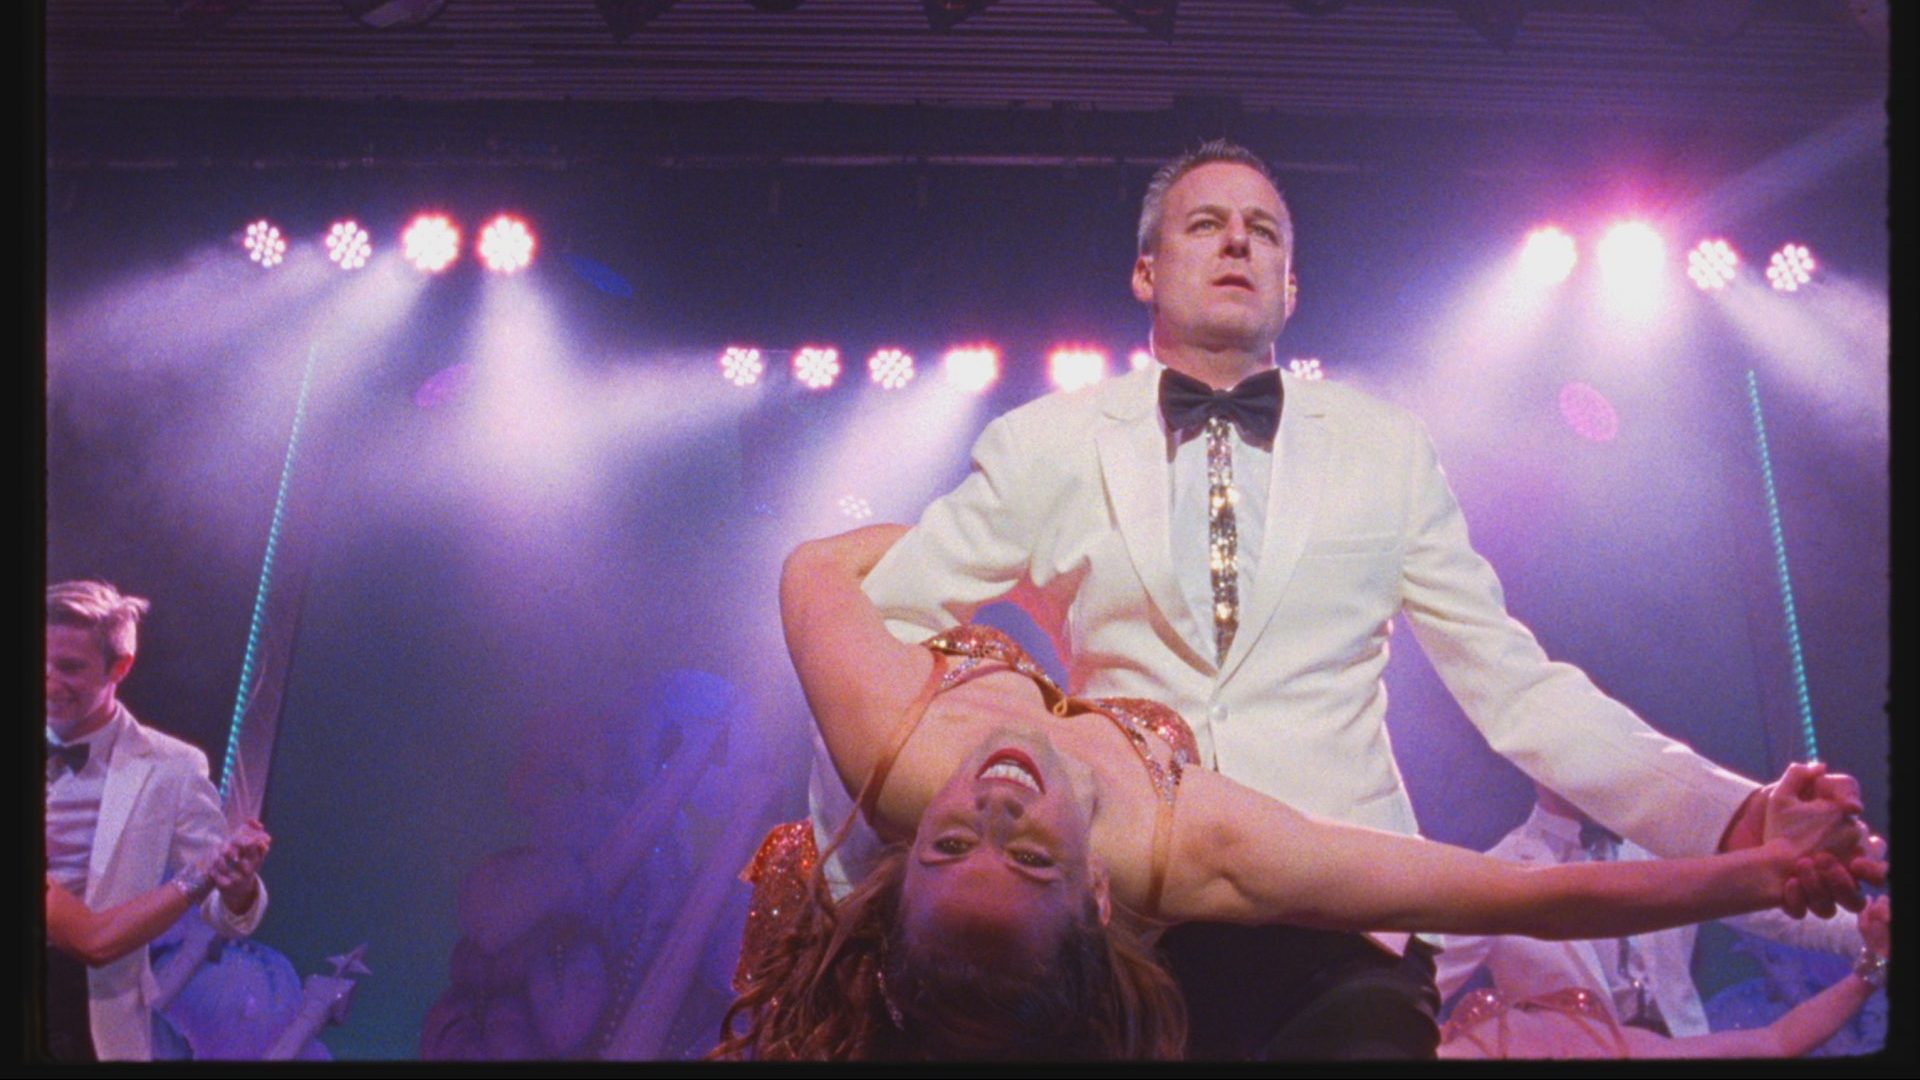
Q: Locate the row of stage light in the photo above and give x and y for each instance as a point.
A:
(972, 368)
(431, 243)
(1634, 251)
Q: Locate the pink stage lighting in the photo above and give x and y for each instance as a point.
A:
(1139, 358)
(1791, 267)
(1712, 264)
(891, 368)
(1075, 366)
(349, 245)
(264, 244)
(972, 368)
(506, 245)
(816, 366)
(431, 243)
(1632, 252)
(855, 507)
(1588, 412)
(1306, 367)
(1548, 256)
(741, 365)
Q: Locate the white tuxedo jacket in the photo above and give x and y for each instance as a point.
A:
(1069, 498)
(1524, 968)
(158, 813)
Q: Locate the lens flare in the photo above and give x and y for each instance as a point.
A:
(741, 365)
(431, 243)
(506, 245)
(264, 244)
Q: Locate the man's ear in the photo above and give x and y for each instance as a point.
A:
(1293, 293)
(117, 670)
(1143, 279)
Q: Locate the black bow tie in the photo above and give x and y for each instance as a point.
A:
(73, 757)
(1599, 841)
(1253, 406)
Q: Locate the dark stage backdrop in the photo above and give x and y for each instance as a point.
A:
(505, 626)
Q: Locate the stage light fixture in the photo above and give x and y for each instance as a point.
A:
(1712, 264)
(944, 14)
(1306, 367)
(741, 365)
(1548, 256)
(506, 245)
(349, 245)
(891, 368)
(1632, 253)
(972, 368)
(431, 243)
(264, 244)
(1790, 267)
(855, 507)
(1072, 367)
(392, 14)
(816, 366)
(1139, 358)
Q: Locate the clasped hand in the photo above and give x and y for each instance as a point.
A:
(1815, 817)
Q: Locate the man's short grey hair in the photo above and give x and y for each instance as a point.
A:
(1206, 154)
(98, 607)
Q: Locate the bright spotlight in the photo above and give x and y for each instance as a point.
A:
(1139, 358)
(891, 368)
(1791, 267)
(1632, 252)
(972, 368)
(506, 245)
(1074, 366)
(1306, 367)
(349, 245)
(816, 366)
(1548, 256)
(1712, 264)
(741, 365)
(264, 244)
(431, 243)
(855, 507)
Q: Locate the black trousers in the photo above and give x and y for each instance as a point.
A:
(69, 1031)
(1282, 993)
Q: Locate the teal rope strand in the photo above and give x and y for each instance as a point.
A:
(1805, 700)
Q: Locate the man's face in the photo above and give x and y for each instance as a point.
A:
(1218, 275)
(80, 682)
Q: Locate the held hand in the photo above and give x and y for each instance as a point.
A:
(236, 869)
(1876, 926)
(1813, 815)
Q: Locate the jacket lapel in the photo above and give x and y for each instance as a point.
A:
(1293, 499)
(1133, 463)
(127, 773)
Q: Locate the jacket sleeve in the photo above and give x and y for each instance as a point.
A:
(1546, 717)
(200, 829)
(971, 547)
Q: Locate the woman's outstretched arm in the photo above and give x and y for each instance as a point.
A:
(1242, 857)
(102, 937)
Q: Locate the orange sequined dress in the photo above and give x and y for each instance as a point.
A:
(1575, 1003)
(782, 870)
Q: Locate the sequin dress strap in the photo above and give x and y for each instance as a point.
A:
(1575, 1003)
(1584, 1008)
(937, 680)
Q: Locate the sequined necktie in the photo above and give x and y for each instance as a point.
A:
(1223, 535)
(1604, 846)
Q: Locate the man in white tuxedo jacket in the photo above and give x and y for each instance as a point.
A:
(128, 808)
(1106, 514)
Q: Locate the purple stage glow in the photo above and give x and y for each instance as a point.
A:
(1632, 251)
(1072, 367)
(506, 245)
(1712, 264)
(891, 368)
(1588, 412)
(1548, 256)
(264, 244)
(741, 365)
(349, 245)
(1791, 267)
(443, 386)
(972, 368)
(816, 366)
(431, 243)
